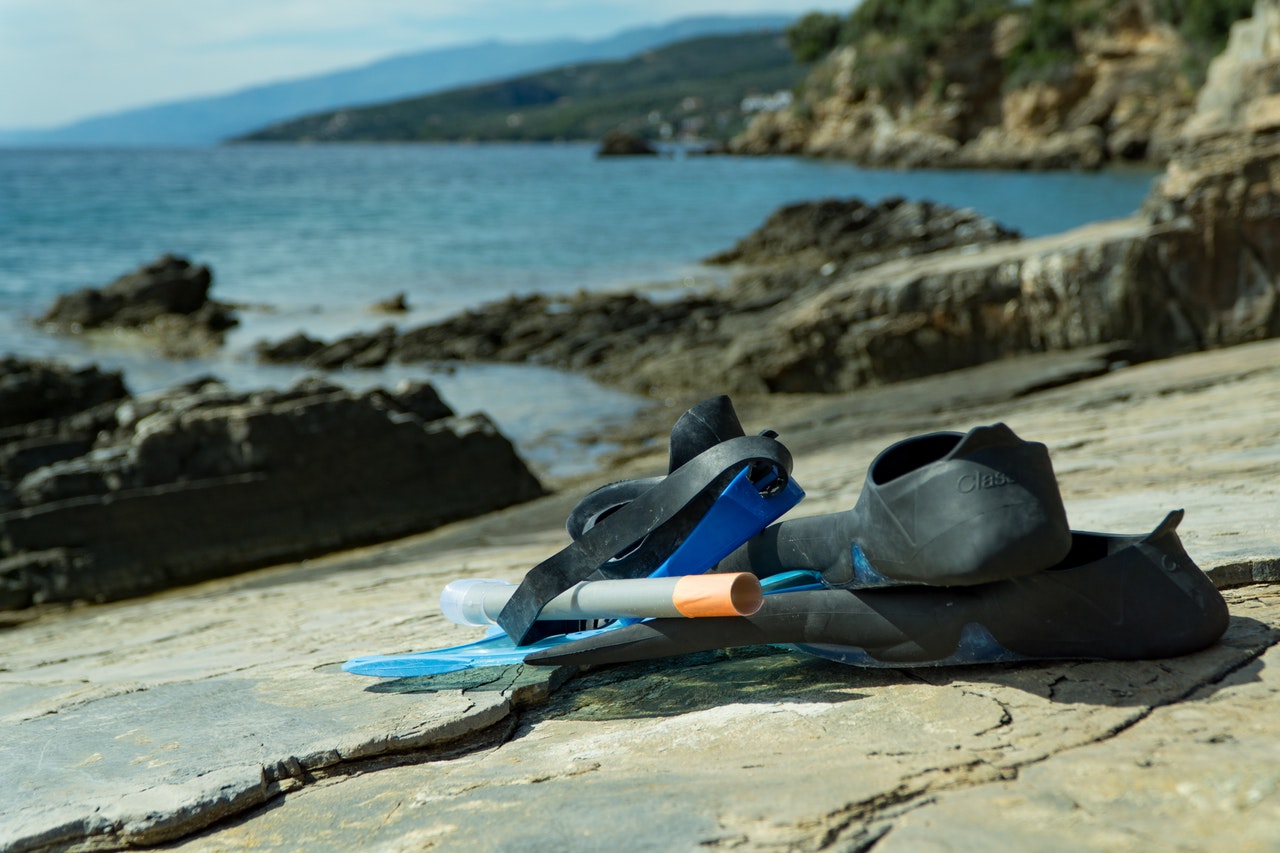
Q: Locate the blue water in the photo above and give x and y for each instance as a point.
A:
(312, 235)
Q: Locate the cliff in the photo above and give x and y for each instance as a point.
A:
(1041, 85)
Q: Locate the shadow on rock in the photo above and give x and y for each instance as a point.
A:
(489, 679)
(766, 675)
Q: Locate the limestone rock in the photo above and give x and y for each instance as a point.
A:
(1216, 246)
(1217, 242)
(1241, 77)
(216, 718)
(204, 482)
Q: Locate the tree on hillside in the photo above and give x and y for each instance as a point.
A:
(813, 36)
(923, 24)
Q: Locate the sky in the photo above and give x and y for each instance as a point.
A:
(63, 60)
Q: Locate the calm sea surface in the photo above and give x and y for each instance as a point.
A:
(315, 234)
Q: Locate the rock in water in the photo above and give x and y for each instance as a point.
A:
(296, 347)
(167, 299)
(202, 482)
(397, 304)
(852, 234)
(618, 143)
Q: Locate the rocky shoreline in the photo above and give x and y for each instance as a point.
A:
(836, 295)
(663, 346)
(216, 717)
(821, 304)
(827, 297)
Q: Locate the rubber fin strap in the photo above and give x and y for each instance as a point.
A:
(655, 523)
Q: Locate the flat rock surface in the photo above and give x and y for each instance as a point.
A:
(216, 715)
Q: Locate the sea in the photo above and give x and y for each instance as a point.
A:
(308, 237)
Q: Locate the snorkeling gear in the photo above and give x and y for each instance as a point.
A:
(1112, 597)
(945, 509)
(723, 487)
(683, 523)
(494, 649)
(712, 595)
(956, 551)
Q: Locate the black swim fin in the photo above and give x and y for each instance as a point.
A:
(708, 423)
(945, 509)
(1112, 597)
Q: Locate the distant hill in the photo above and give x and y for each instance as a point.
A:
(204, 121)
(691, 88)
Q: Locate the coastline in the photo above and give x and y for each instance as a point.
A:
(1144, 353)
(275, 234)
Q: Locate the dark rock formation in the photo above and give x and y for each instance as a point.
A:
(851, 234)
(50, 413)
(619, 143)
(294, 348)
(358, 350)
(37, 392)
(167, 299)
(646, 344)
(578, 332)
(142, 494)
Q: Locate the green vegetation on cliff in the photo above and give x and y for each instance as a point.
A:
(897, 38)
(1003, 84)
(1204, 24)
(1048, 45)
(693, 88)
